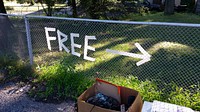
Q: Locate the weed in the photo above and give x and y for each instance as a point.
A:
(60, 81)
(185, 97)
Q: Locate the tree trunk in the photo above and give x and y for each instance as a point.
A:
(169, 7)
(74, 8)
(3, 28)
(50, 5)
(198, 7)
(2, 7)
(93, 9)
(49, 12)
(6, 29)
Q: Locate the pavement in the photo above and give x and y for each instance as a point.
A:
(13, 98)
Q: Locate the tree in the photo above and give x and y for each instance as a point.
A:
(197, 7)
(49, 3)
(95, 8)
(2, 7)
(74, 8)
(169, 7)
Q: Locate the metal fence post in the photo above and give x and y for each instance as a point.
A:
(28, 35)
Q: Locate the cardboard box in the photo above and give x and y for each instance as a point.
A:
(118, 92)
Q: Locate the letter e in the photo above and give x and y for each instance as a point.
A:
(86, 48)
(73, 45)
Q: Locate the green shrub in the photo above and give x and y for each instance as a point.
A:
(185, 97)
(143, 10)
(60, 81)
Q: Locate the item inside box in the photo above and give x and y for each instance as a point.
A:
(108, 102)
(104, 101)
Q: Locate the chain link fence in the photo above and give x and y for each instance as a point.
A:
(102, 48)
(174, 48)
(13, 36)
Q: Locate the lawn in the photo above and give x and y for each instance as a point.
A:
(160, 17)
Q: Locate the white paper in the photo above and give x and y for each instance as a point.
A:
(167, 107)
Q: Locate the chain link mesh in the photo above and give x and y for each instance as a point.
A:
(13, 36)
(174, 49)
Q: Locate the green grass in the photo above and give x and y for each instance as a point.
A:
(160, 17)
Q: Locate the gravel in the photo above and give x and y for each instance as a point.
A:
(13, 98)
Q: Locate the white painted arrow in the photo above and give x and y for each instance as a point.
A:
(145, 56)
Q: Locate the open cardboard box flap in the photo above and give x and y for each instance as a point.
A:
(108, 89)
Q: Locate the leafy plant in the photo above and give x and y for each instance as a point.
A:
(59, 81)
(185, 97)
(143, 10)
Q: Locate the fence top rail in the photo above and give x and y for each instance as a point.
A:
(110, 21)
(3, 14)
